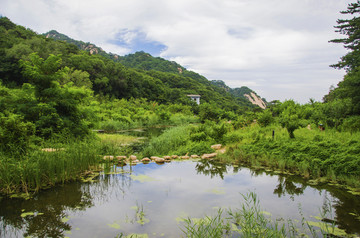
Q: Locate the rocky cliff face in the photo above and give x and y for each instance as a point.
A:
(255, 100)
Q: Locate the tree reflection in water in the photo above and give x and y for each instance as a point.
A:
(52, 205)
(213, 168)
(287, 186)
(58, 203)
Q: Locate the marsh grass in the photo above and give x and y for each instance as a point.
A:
(206, 227)
(40, 169)
(182, 140)
(169, 142)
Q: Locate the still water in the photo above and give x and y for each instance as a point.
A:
(153, 199)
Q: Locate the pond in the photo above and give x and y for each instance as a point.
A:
(154, 199)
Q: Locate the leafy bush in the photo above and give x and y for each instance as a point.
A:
(15, 134)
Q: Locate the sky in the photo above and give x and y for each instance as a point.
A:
(278, 48)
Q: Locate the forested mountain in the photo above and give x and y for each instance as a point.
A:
(145, 62)
(103, 75)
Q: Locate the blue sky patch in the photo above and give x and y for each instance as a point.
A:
(136, 40)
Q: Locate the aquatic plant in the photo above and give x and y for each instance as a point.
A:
(206, 227)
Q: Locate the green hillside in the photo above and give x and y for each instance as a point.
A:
(145, 62)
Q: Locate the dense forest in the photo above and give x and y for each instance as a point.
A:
(57, 92)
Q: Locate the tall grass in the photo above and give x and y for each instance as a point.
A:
(38, 169)
(178, 141)
(206, 227)
(169, 142)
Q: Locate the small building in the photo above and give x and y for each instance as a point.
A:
(195, 98)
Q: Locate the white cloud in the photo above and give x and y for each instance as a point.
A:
(279, 48)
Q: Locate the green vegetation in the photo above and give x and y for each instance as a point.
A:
(251, 221)
(187, 139)
(56, 94)
(322, 156)
(43, 168)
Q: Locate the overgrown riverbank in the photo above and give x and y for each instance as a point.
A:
(319, 156)
(322, 156)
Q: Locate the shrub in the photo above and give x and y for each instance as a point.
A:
(351, 124)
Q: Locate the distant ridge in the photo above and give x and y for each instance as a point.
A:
(146, 62)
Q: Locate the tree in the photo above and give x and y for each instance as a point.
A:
(58, 106)
(265, 118)
(289, 117)
(350, 86)
(351, 29)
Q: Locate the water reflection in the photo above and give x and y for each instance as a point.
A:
(152, 199)
(342, 207)
(49, 208)
(288, 186)
(215, 168)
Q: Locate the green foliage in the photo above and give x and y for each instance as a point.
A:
(351, 124)
(289, 118)
(209, 112)
(265, 118)
(349, 87)
(350, 29)
(16, 135)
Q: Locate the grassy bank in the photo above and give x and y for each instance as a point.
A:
(188, 139)
(45, 167)
(39, 168)
(318, 155)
